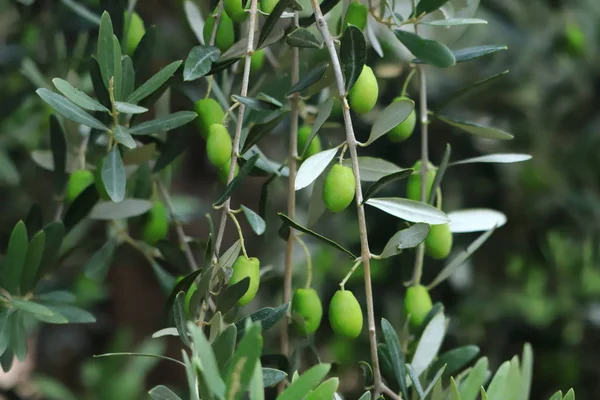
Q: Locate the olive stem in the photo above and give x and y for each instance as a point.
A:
(229, 111)
(178, 226)
(240, 233)
(240, 121)
(407, 81)
(211, 42)
(418, 267)
(309, 269)
(362, 223)
(291, 203)
(349, 274)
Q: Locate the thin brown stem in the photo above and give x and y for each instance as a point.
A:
(362, 223)
(291, 205)
(238, 128)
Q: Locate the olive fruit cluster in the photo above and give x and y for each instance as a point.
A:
(417, 304)
(339, 188)
(218, 141)
(438, 243)
(246, 267)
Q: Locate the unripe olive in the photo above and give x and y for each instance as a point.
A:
(307, 305)
(404, 129)
(235, 10)
(218, 145)
(225, 37)
(189, 294)
(257, 60)
(246, 267)
(209, 112)
(267, 6)
(156, 225)
(345, 314)
(364, 93)
(417, 304)
(135, 33)
(575, 40)
(315, 145)
(100, 188)
(439, 241)
(78, 182)
(356, 15)
(413, 188)
(224, 172)
(339, 188)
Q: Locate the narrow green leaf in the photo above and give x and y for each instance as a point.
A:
(570, 395)
(305, 383)
(128, 108)
(35, 251)
(154, 83)
(429, 6)
(58, 144)
(429, 344)
(55, 233)
(227, 259)
(322, 116)
(272, 377)
(439, 175)
(427, 51)
(267, 317)
(434, 381)
(143, 53)
(227, 300)
(353, 55)
(498, 388)
(5, 329)
(469, 388)
(365, 396)
(114, 176)
(100, 90)
(69, 110)
(472, 53)
(526, 373)
(241, 366)
(255, 103)
(313, 76)
(313, 167)
(163, 124)
(386, 180)
(476, 129)
(409, 210)
(244, 171)
(455, 22)
(272, 21)
(122, 136)
(392, 116)
(161, 392)
(455, 393)
(128, 79)
(289, 222)
(77, 96)
(259, 131)
(97, 266)
(224, 346)
(256, 222)
(180, 318)
(414, 378)
(325, 391)
(14, 263)
(74, 315)
(405, 239)
(326, 6)
(106, 51)
(257, 391)
(475, 220)
(199, 62)
(396, 356)
(557, 396)
(500, 158)
(303, 38)
(31, 307)
(373, 169)
(203, 351)
(81, 207)
(18, 335)
(182, 286)
(58, 296)
(455, 360)
(474, 88)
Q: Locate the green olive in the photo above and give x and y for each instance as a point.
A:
(575, 39)
(209, 112)
(257, 60)
(356, 15)
(100, 188)
(156, 225)
(404, 129)
(413, 187)
(135, 33)
(225, 37)
(224, 172)
(78, 182)
(235, 10)
(364, 93)
(246, 267)
(307, 305)
(417, 304)
(439, 241)
(267, 6)
(345, 314)
(218, 145)
(315, 145)
(339, 188)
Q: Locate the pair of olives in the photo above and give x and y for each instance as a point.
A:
(218, 141)
(345, 314)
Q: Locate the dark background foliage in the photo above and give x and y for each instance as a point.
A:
(537, 279)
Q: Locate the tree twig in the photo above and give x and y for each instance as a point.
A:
(362, 223)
